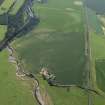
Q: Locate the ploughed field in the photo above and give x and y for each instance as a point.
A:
(57, 43)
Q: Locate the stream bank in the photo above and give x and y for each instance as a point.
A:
(21, 73)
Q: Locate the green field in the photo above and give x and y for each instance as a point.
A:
(3, 30)
(16, 7)
(68, 96)
(96, 5)
(98, 53)
(94, 22)
(57, 42)
(64, 96)
(4, 7)
(13, 91)
(97, 46)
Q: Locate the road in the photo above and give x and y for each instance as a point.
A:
(88, 56)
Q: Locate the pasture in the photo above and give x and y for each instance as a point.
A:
(3, 30)
(5, 6)
(13, 91)
(97, 43)
(16, 7)
(57, 42)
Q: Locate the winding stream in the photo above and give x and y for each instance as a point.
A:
(14, 60)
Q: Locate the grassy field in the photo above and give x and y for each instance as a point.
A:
(3, 30)
(98, 100)
(57, 42)
(63, 96)
(71, 96)
(94, 22)
(98, 53)
(100, 71)
(13, 91)
(97, 47)
(4, 7)
(16, 7)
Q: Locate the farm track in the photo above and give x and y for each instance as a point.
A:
(88, 56)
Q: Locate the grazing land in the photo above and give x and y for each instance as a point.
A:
(97, 47)
(16, 7)
(4, 7)
(58, 44)
(13, 91)
(3, 30)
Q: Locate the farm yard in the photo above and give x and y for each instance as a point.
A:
(57, 43)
